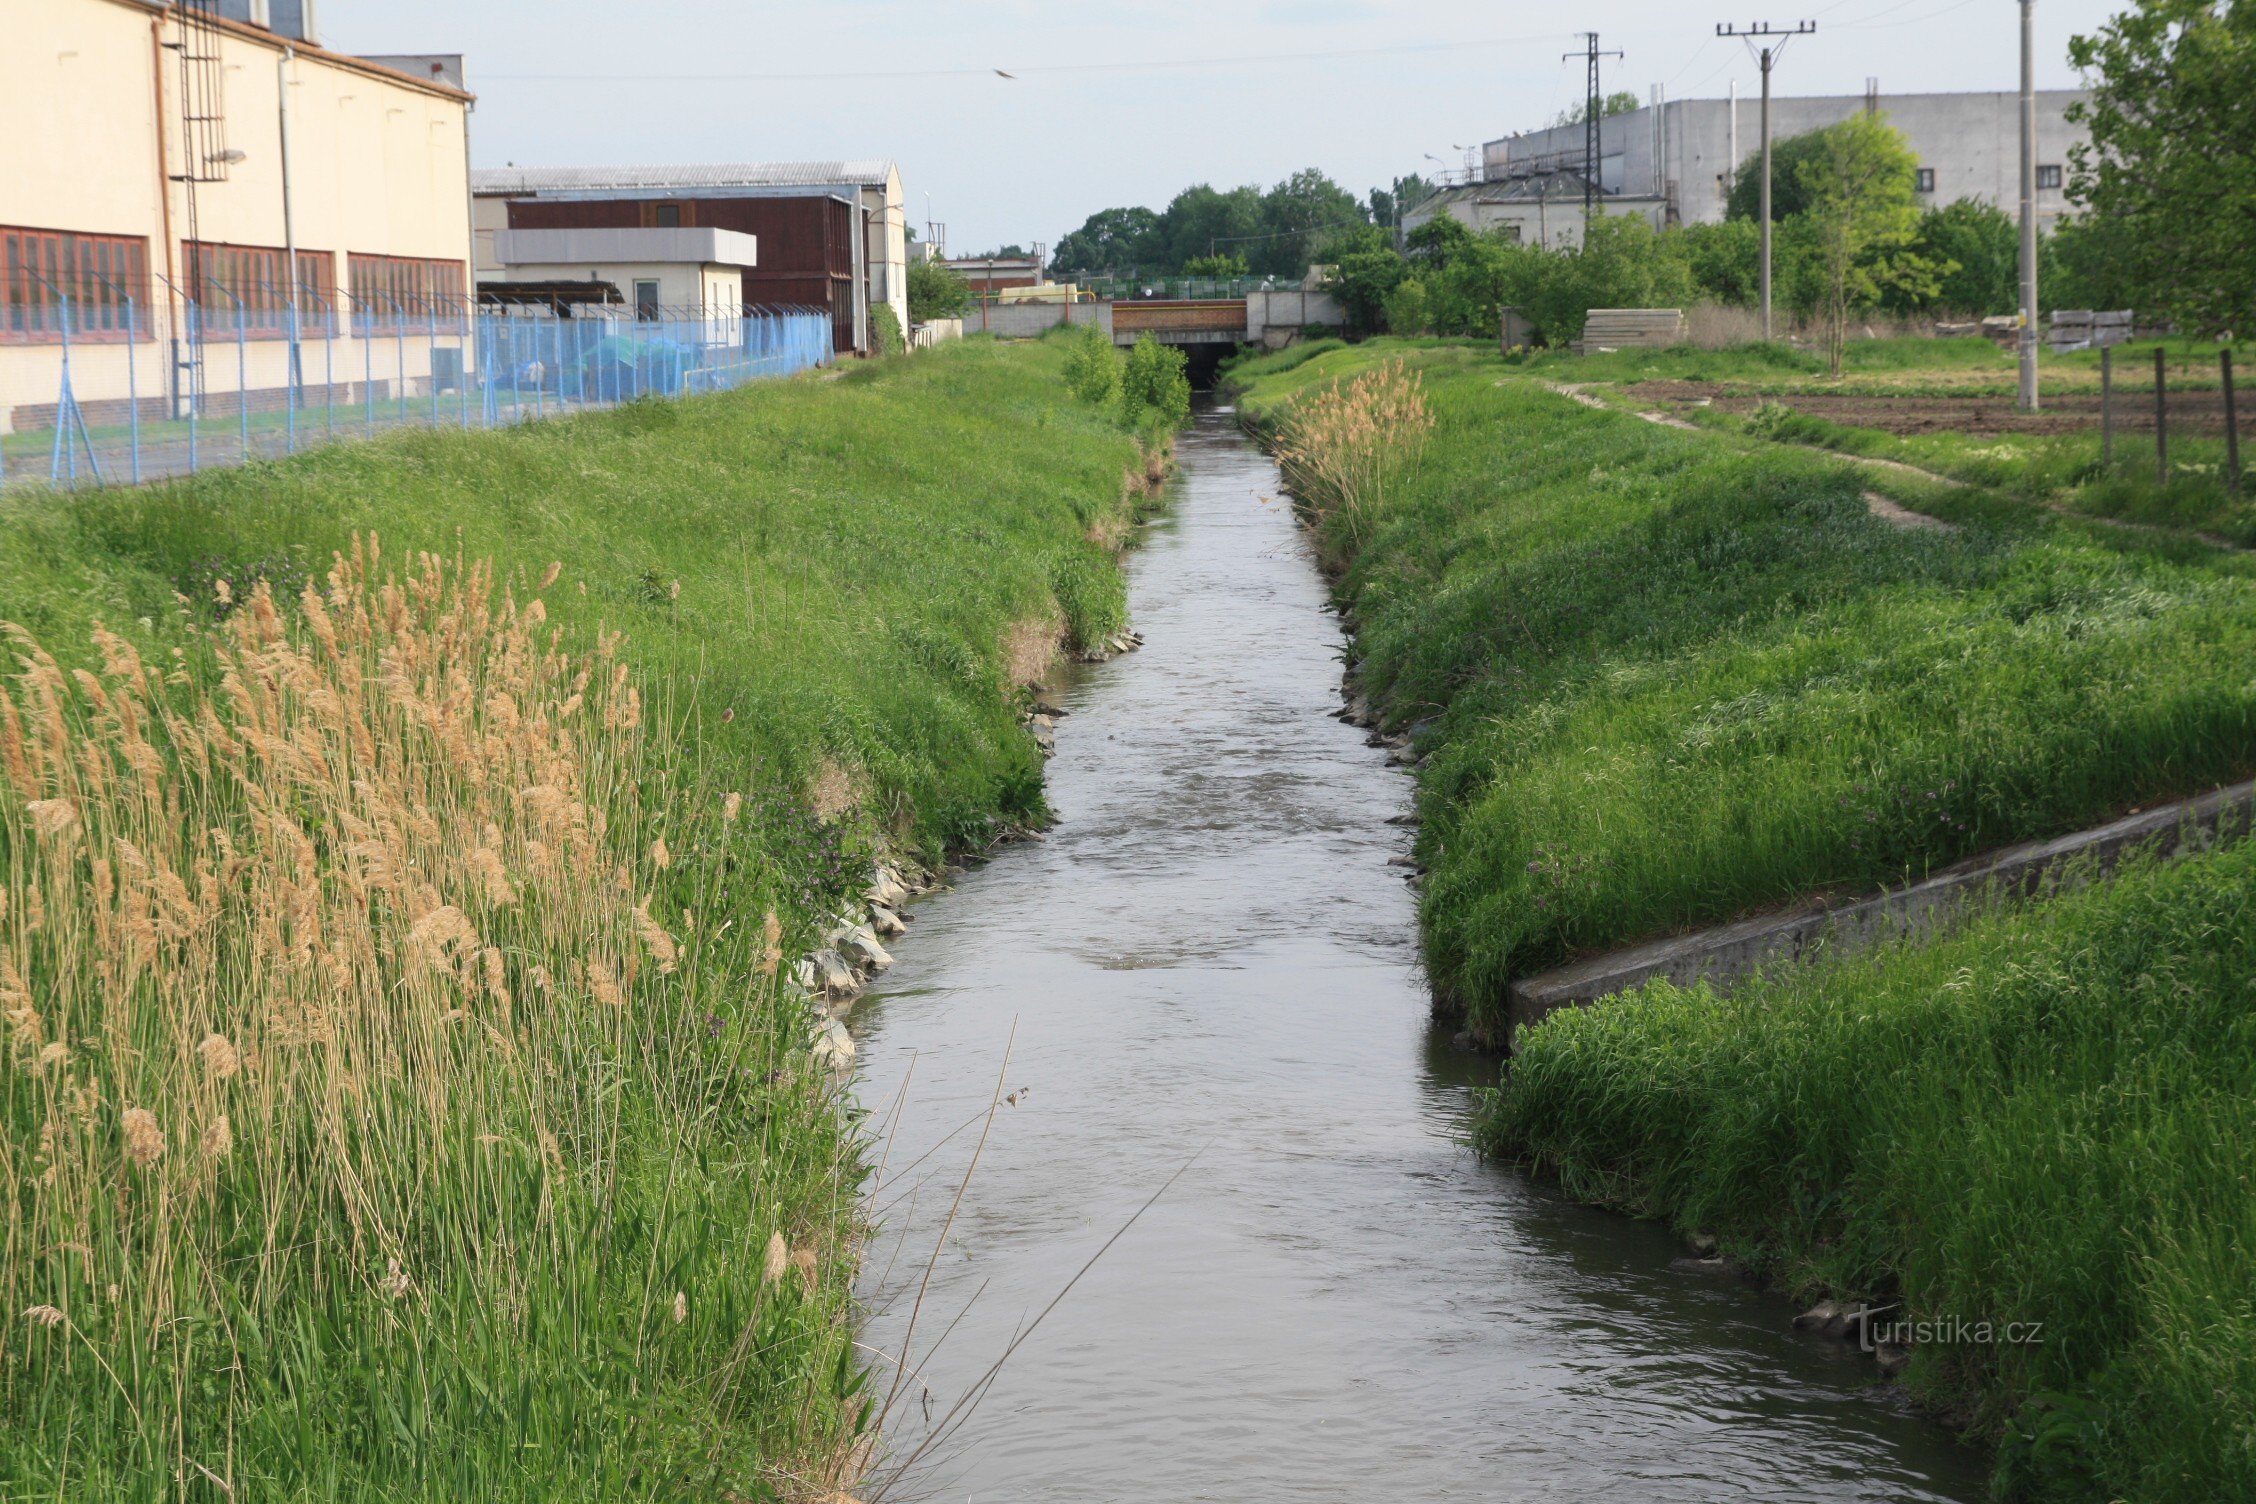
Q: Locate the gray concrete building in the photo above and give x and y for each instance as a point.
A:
(1673, 163)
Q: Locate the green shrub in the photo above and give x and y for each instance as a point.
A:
(936, 291)
(1406, 311)
(1092, 366)
(1155, 387)
(885, 330)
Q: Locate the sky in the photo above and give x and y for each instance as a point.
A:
(1128, 102)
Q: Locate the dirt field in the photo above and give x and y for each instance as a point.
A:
(2190, 412)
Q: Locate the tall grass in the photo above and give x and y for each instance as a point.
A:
(1343, 448)
(2046, 1121)
(363, 1020)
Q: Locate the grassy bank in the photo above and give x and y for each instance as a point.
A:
(402, 1099)
(2046, 1121)
(1664, 679)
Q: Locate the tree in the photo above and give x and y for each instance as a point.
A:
(1725, 259)
(1301, 213)
(2171, 166)
(1221, 264)
(1623, 262)
(1620, 102)
(1365, 269)
(1788, 156)
(1406, 310)
(1112, 240)
(2094, 261)
(1980, 245)
(1863, 218)
(936, 291)
(1200, 221)
(1387, 205)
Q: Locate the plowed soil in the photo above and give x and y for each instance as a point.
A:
(2190, 412)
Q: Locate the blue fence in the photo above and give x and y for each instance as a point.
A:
(101, 394)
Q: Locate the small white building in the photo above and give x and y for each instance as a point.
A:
(662, 273)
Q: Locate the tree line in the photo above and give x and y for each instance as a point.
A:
(1246, 231)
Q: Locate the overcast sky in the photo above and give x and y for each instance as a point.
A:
(1125, 103)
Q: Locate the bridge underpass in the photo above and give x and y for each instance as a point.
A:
(1205, 329)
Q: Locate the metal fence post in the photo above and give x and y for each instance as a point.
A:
(2107, 407)
(133, 383)
(2161, 422)
(2232, 423)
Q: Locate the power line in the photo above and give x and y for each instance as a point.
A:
(1593, 110)
(1133, 66)
(1766, 42)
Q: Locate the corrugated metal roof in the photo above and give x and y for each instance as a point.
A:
(699, 175)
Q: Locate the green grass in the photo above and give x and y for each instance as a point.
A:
(1666, 680)
(2048, 1118)
(818, 582)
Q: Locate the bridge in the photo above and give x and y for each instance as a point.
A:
(1274, 319)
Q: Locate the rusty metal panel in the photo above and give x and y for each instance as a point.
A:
(1215, 315)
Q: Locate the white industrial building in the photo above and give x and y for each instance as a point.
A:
(1672, 163)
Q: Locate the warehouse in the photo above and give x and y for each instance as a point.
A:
(205, 207)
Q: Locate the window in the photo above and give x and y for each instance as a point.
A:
(1925, 183)
(2048, 177)
(646, 302)
(669, 216)
(39, 269)
(405, 284)
(244, 284)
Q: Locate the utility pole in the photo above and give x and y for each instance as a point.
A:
(1766, 42)
(2028, 207)
(1592, 104)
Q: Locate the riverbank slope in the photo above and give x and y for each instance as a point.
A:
(410, 1104)
(1660, 679)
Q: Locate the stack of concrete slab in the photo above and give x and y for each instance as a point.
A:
(2083, 329)
(1630, 329)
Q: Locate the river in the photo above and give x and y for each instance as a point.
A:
(1209, 963)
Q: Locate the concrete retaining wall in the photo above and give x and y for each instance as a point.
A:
(1734, 952)
(1033, 320)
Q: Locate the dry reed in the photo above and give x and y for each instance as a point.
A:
(1343, 447)
(310, 965)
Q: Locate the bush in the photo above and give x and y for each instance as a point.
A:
(885, 330)
(1406, 311)
(1155, 387)
(1092, 370)
(936, 291)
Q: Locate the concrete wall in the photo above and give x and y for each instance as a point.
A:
(1032, 320)
(90, 136)
(1274, 318)
(1971, 141)
(1555, 222)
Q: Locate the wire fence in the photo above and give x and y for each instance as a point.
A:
(99, 392)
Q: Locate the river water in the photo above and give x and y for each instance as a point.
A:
(1210, 964)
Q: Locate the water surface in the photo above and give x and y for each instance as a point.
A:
(1211, 963)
